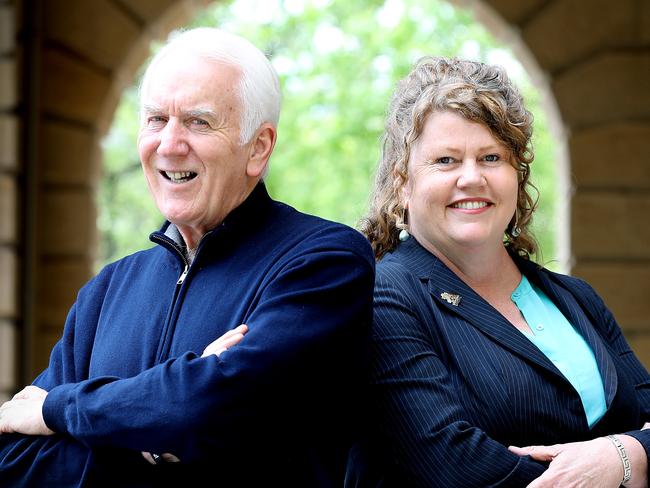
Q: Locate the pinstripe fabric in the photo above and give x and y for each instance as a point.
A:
(453, 386)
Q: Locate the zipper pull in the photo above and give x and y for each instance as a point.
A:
(183, 275)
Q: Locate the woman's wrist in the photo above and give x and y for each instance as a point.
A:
(625, 459)
(638, 460)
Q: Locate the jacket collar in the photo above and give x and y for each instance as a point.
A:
(250, 211)
(241, 219)
(443, 285)
(573, 306)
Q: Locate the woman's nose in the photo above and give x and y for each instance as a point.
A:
(172, 140)
(471, 174)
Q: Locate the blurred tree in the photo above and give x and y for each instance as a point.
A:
(338, 62)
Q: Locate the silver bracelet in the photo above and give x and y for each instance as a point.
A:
(627, 468)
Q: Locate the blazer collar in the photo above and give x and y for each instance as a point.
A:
(444, 284)
(570, 303)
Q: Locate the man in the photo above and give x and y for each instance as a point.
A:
(272, 402)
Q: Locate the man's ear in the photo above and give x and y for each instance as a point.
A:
(261, 148)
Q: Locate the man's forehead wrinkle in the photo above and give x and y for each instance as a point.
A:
(201, 112)
(148, 108)
(193, 112)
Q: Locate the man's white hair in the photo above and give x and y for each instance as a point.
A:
(259, 88)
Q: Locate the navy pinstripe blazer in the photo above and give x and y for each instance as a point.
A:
(453, 386)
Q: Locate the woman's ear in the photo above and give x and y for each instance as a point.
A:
(404, 192)
(405, 196)
(261, 148)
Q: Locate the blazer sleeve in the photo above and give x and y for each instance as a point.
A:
(421, 418)
(629, 363)
(306, 332)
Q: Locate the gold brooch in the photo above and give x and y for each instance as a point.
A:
(450, 298)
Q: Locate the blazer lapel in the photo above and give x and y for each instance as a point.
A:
(570, 306)
(444, 285)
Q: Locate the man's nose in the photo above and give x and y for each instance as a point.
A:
(172, 140)
(471, 174)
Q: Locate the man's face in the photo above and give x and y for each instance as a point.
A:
(195, 166)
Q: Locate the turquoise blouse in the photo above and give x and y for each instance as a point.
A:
(556, 337)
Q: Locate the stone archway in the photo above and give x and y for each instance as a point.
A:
(65, 62)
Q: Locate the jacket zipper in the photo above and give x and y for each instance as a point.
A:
(168, 242)
(165, 337)
(165, 342)
(181, 278)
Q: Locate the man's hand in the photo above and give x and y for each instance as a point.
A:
(220, 345)
(226, 341)
(157, 459)
(23, 414)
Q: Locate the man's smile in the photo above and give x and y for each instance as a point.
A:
(178, 176)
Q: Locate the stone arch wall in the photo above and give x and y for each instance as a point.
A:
(63, 64)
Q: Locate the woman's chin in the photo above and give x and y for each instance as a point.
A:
(478, 241)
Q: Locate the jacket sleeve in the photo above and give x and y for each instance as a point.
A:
(630, 364)
(57, 460)
(422, 422)
(305, 334)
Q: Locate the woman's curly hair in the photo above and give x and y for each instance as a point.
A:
(478, 92)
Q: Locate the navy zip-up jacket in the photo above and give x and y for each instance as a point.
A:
(278, 409)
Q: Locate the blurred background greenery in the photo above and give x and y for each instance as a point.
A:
(338, 62)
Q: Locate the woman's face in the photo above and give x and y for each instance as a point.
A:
(461, 191)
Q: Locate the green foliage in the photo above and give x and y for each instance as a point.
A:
(126, 212)
(338, 62)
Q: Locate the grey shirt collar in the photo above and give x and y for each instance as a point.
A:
(174, 234)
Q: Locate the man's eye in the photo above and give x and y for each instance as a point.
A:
(155, 120)
(199, 123)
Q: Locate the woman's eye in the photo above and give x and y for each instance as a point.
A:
(492, 158)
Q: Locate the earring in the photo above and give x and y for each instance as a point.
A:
(515, 230)
(403, 233)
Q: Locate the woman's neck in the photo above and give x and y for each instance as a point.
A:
(490, 272)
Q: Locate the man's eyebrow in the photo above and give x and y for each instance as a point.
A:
(151, 109)
(198, 112)
(201, 112)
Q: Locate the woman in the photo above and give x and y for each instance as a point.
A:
(477, 349)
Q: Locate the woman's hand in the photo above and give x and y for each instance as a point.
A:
(24, 413)
(589, 464)
(229, 339)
